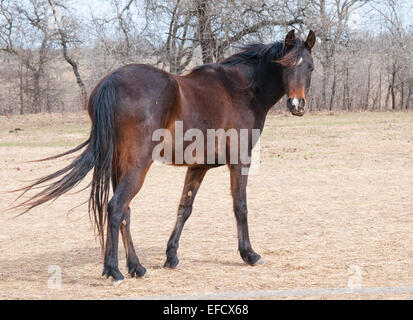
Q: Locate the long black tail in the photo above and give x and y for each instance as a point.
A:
(98, 155)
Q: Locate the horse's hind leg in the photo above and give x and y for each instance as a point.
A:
(193, 179)
(129, 185)
(132, 261)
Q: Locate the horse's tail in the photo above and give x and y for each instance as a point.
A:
(98, 155)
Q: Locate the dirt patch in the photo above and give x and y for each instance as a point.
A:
(333, 194)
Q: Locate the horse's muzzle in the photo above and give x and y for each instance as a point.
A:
(296, 106)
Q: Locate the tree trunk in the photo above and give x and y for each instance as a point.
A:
(36, 93)
(69, 60)
(409, 95)
(333, 89)
(392, 89)
(346, 91)
(393, 98)
(325, 53)
(206, 39)
(368, 87)
(377, 98)
(83, 92)
(402, 96)
(21, 89)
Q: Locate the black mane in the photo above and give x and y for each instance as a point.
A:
(256, 53)
(259, 53)
(261, 64)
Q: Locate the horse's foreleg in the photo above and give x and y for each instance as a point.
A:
(132, 261)
(193, 179)
(239, 194)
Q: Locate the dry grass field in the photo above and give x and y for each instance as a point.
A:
(334, 194)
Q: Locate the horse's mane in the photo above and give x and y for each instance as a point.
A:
(258, 57)
(258, 53)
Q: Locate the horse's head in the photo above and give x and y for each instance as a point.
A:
(297, 66)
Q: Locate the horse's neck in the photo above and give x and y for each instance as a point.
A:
(265, 83)
(268, 89)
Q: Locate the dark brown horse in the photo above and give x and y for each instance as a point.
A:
(131, 103)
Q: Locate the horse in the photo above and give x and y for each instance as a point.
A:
(128, 105)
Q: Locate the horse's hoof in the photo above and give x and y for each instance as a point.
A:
(251, 258)
(113, 272)
(171, 264)
(137, 271)
(117, 283)
(260, 262)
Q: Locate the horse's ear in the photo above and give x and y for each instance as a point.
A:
(290, 39)
(309, 43)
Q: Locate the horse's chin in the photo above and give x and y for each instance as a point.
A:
(297, 113)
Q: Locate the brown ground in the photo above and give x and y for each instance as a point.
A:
(333, 191)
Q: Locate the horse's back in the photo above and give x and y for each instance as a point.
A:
(211, 97)
(145, 92)
(203, 99)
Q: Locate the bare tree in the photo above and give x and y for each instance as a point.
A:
(27, 37)
(214, 26)
(178, 49)
(43, 43)
(224, 23)
(66, 34)
(398, 52)
(329, 19)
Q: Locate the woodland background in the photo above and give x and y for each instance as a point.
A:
(53, 52)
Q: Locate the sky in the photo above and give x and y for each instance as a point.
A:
(360, 19)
